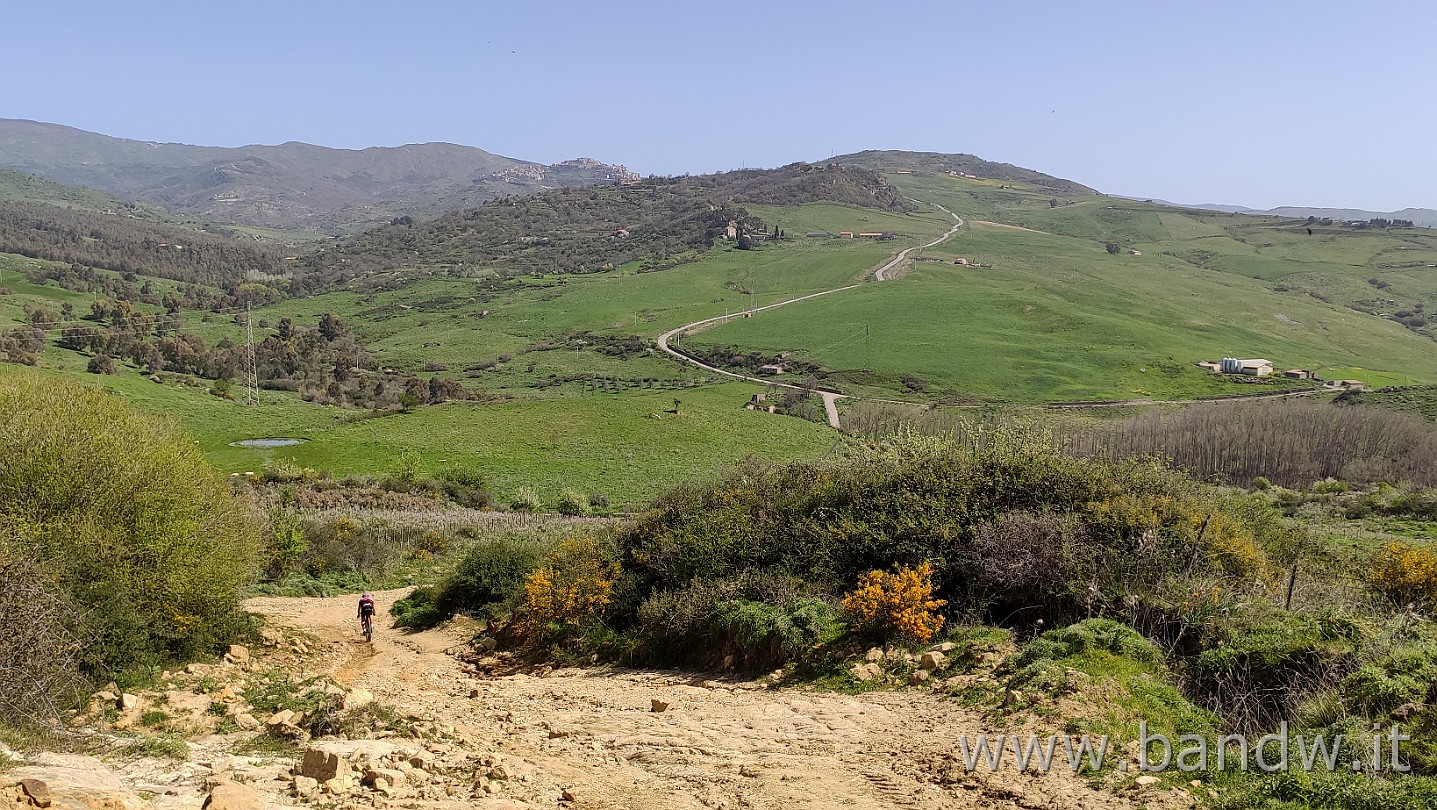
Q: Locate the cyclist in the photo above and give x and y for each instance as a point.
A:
(366, 610)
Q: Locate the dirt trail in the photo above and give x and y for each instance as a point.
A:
(720, 744)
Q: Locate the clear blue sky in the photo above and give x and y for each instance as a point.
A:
(1254, 103)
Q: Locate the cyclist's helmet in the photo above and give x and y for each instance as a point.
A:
(364, 595)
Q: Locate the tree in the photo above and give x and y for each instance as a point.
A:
(101, 364)
(330, 327)
(1053, 203)
(1114, 248)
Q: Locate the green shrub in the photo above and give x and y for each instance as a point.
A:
(761, 620)
(525, 500)
(419, 610)
(1092, 635)
(465, 486)
(125, 515)
(1012, 528)
(41, 647)
(1260, 664)
(491, 574)
(1402, 676)
(573, 502)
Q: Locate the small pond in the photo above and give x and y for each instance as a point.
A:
(267, 442)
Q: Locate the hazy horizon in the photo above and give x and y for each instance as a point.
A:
(1308, 104)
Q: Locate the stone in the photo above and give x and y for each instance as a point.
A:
(932, 660)
(1196, 783)
(73, 781)
(197, 669)
(918, 677)
(128, 701)
(37, 791)
(232, 796)
(322, 765)
(1011, 697)
(395, 778)
(237, 653)
(1147, 780)
(356, 698)
(945, 648)
(569, 795)
(304, 785)
(246, 721)
(1407, 710)
(657, 705)
(488, 644)
(499, 772)
(874, 656)
(339, 785)
(867, 672)
(280, 718)
(475, 692)
(270, 637)
(422, 759)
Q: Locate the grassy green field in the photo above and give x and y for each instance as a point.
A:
(627, 446)
(1056, 317)
(420, 318)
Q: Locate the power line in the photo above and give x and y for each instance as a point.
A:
(251, 370)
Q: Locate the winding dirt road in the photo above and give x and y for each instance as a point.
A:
(830, 398)
(720, 743)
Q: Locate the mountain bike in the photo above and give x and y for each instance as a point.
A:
(368, 623)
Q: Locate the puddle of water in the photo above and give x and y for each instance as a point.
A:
(267, 442)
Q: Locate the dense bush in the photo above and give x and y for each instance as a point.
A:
(573, 502)
(525, 499)
(41, 646)
(127, 519)
(1076, 535)
(755, 622)
(491, 574)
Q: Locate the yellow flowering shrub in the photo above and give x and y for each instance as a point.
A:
(572, 584)
(1235, 548)
(896, 604)
(1405, 573)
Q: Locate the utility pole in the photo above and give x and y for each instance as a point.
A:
(867, 350)
(251, 370)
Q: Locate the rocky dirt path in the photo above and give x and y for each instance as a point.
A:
(718, 744)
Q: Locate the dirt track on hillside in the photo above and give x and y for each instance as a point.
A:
(720, 744)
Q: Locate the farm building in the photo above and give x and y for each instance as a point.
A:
(1300, 374)
(1256, 368)
(1210, 366)
(845, 234)
(770, 370)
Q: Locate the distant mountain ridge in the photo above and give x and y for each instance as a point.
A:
(292, 185)
(1421, 217)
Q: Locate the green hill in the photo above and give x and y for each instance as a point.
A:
(1042, 311)
(660, 222)
(883, 160)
